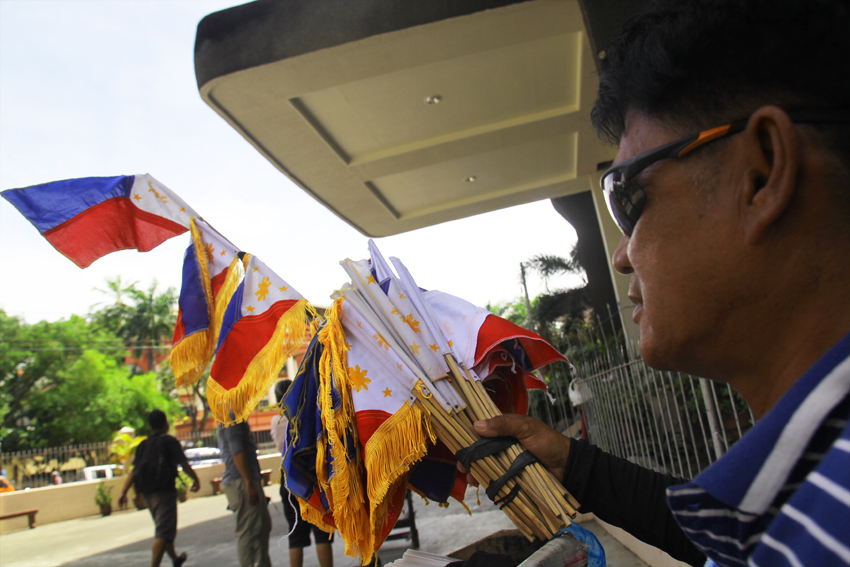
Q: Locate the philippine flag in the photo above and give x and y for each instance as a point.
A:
(265, 321)
(90, 217)
(211, 272)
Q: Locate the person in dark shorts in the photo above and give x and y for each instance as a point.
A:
(153, 474)
(299, 537)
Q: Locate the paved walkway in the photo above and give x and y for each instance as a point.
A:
(205, 532)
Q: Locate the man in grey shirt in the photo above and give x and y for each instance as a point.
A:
(245, 497)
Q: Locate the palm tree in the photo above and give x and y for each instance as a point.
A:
(144, 319)
(151, 321)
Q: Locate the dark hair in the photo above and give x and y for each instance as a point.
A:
(280, 389)
(157, 419)
(703, 63)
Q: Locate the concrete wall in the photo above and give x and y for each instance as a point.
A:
(76, 499)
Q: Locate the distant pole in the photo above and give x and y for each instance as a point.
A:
(528, 318)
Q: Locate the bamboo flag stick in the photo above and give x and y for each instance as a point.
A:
(546, 483)
(459, 438)
(538, 493)
(566, 502)
(524, 513)
(483, 408)
(453, 446)
(522, 523)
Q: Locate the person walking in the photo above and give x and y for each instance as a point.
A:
(153, 474)
(242, 483)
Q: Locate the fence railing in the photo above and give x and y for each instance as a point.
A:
(263, 439)
(32, 469)
(666, 421)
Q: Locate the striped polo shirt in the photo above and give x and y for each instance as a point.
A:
(781, 495)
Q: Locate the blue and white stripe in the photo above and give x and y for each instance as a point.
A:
(781, 495)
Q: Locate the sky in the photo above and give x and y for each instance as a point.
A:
(104, 88)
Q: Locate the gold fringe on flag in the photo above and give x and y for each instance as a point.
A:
(345, 485)
(396, 445)
(235, 275)
(263, 370)
(189, 358)
(313, 516)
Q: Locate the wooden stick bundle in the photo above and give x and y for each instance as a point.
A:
(542, 506)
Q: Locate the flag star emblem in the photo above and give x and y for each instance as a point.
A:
(400, 367)
(250, 309)
(413, 323)
(283, 288)
(263, 289)
(347, 346)
(402, 296)
(182, 209)
(137, 197)
(360, 324)
(451, 343)
(381, 341)
(434, 348)
(256, 268)
(371, 279)
(223, 252)
(415, 347)
(358, 378)
(388, 393)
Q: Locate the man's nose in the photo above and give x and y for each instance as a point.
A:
(621, 260)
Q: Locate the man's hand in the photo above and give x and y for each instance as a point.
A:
(251, 493)
(122, 500)
(548, 445)
(196, 486)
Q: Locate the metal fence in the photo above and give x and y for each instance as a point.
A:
(666, 421)
(32, 469)
(263, 439)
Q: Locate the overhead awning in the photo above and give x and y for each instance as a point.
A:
(399, 115)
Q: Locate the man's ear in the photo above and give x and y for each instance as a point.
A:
(770, 179)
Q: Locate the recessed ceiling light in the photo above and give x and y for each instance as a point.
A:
(471, 179)
(433, 99)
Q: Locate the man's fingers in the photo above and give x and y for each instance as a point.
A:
(512, 424)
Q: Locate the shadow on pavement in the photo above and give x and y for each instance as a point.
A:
(211, 544)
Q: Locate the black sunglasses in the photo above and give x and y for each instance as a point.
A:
(626, 198)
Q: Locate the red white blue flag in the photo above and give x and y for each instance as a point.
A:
(211, 272)
(87, 218)
(264, 322)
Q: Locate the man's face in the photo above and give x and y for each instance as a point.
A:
(680, 254)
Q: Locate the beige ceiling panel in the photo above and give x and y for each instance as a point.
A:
(389, 114)
(349, 124)
(438, 186)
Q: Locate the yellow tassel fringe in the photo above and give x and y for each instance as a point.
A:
(190, 357)
(262, 371)
(345, 486)
(235, 275)
(396, 445)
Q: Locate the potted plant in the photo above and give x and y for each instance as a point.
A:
(182, 483)
(103, 498)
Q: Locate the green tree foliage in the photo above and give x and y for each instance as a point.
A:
(144, 319)
(64, 383)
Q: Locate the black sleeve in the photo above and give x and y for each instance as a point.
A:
(629, 497)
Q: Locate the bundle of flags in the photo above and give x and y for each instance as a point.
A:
(385, 368)
(357, 436)
(232, 307)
